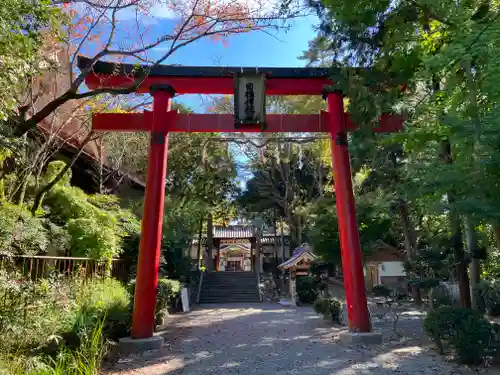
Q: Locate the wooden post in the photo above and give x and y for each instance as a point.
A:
(293, 287)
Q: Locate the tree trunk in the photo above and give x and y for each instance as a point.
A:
(217, 264)
(40, 195)
(187, 251)
(299, 229)
(21, 192)
(210, 242)
(280, 273)
(198, 252)
(470, 231)
(276, 251)
(461, 265)
(292, 228)
(28, 124)
(496, 231)
(2, 189)
(258, 263)
(282, 234)
(101, 168)
(475, 266)
(456, 236)
(410, 245)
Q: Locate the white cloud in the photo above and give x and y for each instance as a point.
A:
(163, 11)
(171, 9)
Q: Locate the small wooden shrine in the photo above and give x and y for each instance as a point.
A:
(298, 265)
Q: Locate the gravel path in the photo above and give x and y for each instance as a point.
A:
(270, 339)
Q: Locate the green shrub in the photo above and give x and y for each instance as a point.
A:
(93, 232)
(31, 313)
(466, 330)
(56, 326)
(86, 359)
(320, 306)
(106, 300)
(122, 220)
(90, 238)
(67, 202)
(59, 240)
(441, 297)
(441, 324)
(106, 202)
(20, 232)
(53, 169)
(334, 309)
(489, 294)
(306, 289)
(174, 264)
(96, 224)
(381, 290)
(473, 340)
(331, 308)
(167, 292)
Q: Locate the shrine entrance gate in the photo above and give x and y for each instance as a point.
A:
(163, 82)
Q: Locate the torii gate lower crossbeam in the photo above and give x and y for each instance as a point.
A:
(161, 121)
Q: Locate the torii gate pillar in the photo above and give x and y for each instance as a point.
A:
(352, 263)
(143, 318)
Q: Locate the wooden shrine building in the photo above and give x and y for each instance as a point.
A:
(237, 248)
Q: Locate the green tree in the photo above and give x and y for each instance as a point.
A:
(443, 54)
(286, 178)
(23, 25)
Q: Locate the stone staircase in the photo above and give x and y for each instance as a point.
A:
(228, 287)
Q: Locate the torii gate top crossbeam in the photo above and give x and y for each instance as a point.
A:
(205, 80)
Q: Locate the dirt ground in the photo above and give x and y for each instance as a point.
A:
(272, 339)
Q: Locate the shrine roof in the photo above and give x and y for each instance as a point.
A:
(244, 232)
(112, 68)
(234, 232)
(300, 253)
(265, 240)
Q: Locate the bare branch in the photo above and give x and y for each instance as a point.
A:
(89, 32)
(97, 5)
(199, 20)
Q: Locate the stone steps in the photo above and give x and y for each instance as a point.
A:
(227, 287)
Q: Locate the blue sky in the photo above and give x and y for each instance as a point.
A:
(252, 49)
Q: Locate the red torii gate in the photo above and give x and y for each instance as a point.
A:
(163, 82)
